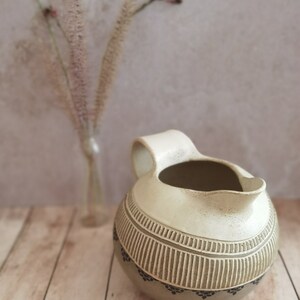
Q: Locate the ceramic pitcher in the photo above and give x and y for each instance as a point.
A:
(193, 226)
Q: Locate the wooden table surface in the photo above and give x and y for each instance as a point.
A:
(45, 254)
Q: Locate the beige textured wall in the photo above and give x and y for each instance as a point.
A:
(225, 72)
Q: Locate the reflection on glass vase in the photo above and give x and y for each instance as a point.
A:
(94, 212)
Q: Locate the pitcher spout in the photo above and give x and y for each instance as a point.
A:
(252, 185)
(235, 201)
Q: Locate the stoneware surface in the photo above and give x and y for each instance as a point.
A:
(226, 73)
(189, 236)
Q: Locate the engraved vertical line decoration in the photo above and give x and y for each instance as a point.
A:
(155, 264)
(165, 253)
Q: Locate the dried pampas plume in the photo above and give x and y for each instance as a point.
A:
(111, 58)
(76, 75)
(78, 62)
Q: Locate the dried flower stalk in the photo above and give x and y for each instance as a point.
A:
(142, 6)
(111, 58)
(57, 69)
(59, 81)
(78, 63)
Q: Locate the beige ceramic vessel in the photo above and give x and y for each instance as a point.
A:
(193, 226)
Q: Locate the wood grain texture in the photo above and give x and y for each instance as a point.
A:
(275, 286)
(289, 224)
(29, 267)
(11, 223)
(83, 269)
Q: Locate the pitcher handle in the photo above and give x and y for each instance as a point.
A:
(159, 151)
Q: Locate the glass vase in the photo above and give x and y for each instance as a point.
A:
(94, 211)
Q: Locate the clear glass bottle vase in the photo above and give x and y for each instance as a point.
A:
(94, 212)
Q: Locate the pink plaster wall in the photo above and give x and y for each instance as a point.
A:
(225, 72)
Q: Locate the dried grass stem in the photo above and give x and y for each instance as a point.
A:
(111, 58)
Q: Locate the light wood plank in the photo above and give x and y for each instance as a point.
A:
(30, 265)
(11, 223)
(83, 268)
(289, 223)
(275, 285)
(120, 287)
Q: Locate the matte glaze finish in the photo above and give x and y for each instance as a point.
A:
(193, 226)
